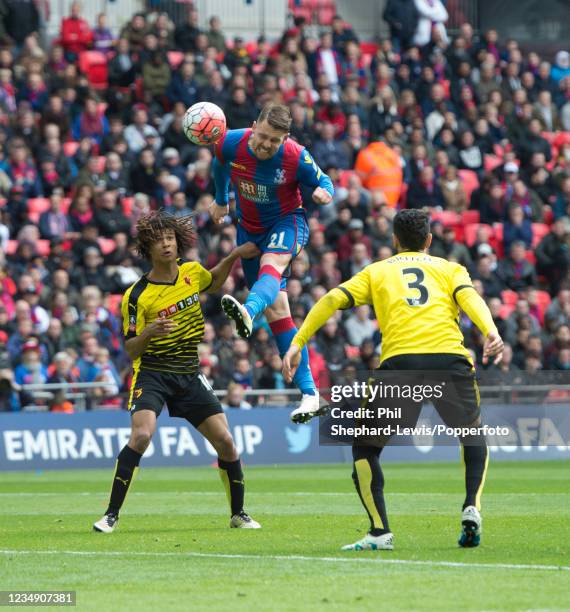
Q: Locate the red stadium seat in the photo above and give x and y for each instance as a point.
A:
(175, 58)
(43, 247)
(530, 257)
(470, 216)
(470, 181)
(509, 297)
(127, 205)
(496, 240)
(70, 148)
(34, 217)
(367, 59)
(491, 162)
(506, 310)
(539, 231)
(94, 65)
(447, 217)
(107, 245)
(114, 303)
(38, 205)
(344, 177)
(543, 300)
(65, 204)
(369, 47)
(11, 247)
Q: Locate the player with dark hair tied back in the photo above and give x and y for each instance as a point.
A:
(163, 325)
(416, 299)
(266, 168)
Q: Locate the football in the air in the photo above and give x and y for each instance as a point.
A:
(204, 123)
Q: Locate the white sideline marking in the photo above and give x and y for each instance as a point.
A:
(381, 561)
(272, 494)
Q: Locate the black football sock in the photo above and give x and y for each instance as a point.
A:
(125, 470)
(476, 459)
(369, 482)
(232, 477)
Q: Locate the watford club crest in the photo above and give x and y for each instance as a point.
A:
(187, 280)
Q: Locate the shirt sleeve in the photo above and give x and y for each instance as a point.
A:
(205, 278)
(472, 304)
(357, 289)
(309, 173)
(133, 315)
(460, 279)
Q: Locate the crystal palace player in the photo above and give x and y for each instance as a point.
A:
(266, 168)
(163, 324)
(416, 299)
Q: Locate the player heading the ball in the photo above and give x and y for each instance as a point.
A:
(266, 168)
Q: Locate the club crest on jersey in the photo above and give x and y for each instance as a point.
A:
(280, 177)
(187, 280)
(181, 305)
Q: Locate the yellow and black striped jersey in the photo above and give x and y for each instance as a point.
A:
(146, 300)
(414, 299)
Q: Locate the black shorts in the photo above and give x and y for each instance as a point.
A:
(188, 396)
(459, 405)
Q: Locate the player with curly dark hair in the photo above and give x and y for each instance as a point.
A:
(163, 324)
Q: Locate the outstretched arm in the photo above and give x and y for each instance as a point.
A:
(222, 270)
(319, 314)
(219, 208)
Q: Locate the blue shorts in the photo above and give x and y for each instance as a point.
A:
(287, 237)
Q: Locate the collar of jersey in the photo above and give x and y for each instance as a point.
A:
(164, 283)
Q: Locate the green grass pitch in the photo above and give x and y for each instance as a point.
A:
(173, 549)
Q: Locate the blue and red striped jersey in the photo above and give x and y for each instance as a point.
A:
(265, 189)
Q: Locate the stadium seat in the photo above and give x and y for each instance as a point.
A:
(543, 298)
(175, 58)
(34, 217)
(509, 297)
(490, 162)
(506, 310)
(114, 303)
(447, 217)
(127, 205)
(344, 177)
(470, 181)
(496, 240)
(43, 247)
(70, 148)
(11, 247)
(539, 231)
(38, 205)
(470, 216)
(94, 65)
(369, 47)
(530, 257)
(107, 245)
(251, 47)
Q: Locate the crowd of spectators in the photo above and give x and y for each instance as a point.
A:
(475, 128)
